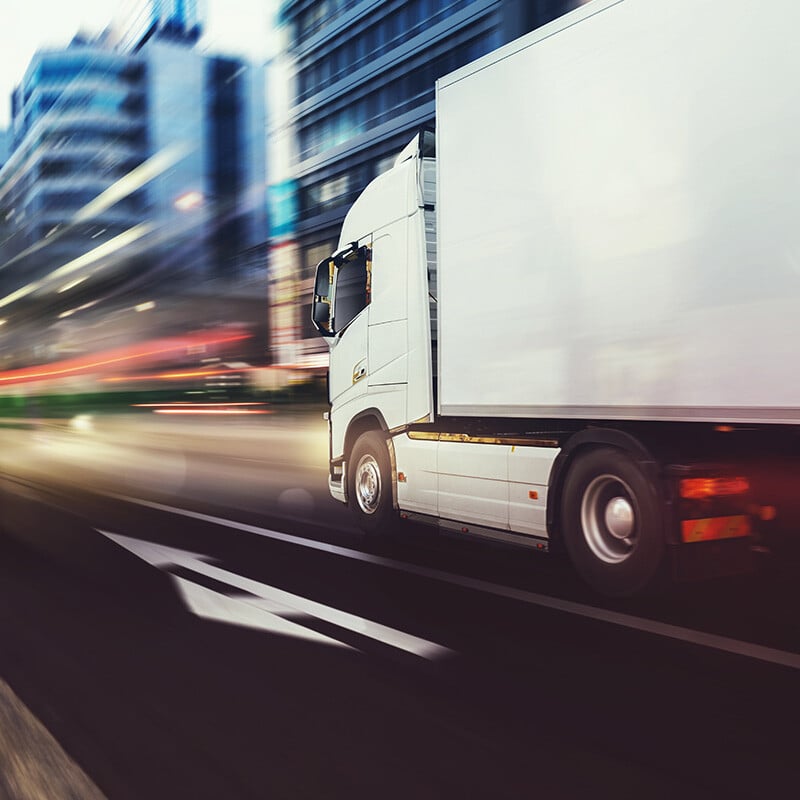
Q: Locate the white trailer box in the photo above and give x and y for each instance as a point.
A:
(619, 217)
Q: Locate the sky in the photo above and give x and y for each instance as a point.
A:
(232, 26)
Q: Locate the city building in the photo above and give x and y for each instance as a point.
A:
(179, 19)
(5, 146)
(353, 81)
(132, 167)
(77, 126)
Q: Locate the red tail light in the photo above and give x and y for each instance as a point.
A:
(704, 488)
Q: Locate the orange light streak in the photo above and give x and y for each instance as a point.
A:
(82, 365)
(226, 411)
(169, 376)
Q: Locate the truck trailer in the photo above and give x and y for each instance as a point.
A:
(570, 318)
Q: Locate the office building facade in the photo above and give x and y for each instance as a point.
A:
(77, 127)
(361, 79)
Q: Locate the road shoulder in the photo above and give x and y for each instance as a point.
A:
(33, 766)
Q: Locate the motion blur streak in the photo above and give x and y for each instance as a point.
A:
(71, 311)
(134, 180)
(153, 348)
(125, 186)
(174, 376)
(105, 249)
(72, 284)
(211, 411)
(193, 405)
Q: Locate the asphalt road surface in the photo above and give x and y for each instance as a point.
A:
(189, 614)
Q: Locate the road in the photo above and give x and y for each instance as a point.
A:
(189, 614)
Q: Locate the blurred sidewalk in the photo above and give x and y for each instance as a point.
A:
(33, 766)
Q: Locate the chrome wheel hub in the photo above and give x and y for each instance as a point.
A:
(368, 484)
(608, 519)
(619, 517)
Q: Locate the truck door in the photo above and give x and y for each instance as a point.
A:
(351, 299)
(388, 324)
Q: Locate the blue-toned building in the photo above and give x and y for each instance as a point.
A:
(214, 108)
(157, 145)
(77, 126)
(360, 77)
(178, 19)
(5, 146)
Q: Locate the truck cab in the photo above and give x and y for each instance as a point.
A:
(373, 302)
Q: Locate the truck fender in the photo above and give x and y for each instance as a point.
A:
(370, 419)
(589, 438)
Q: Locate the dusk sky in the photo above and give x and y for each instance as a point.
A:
(233, 26)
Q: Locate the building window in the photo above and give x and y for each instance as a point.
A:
(365, 46)
(385, 164)
(335, 192)
(404, 94)
(312, 256)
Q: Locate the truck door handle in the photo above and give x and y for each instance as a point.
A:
(359, 372)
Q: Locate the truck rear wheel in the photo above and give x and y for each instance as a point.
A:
(611, 523)
(369, 480)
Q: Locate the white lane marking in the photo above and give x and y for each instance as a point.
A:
(664, 629)
(208, 604)
(269, 598)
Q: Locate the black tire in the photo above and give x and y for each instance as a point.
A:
(369, 484)
(611, 523)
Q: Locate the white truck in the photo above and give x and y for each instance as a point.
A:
(572, 318)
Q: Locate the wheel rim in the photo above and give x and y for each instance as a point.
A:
(368, 484)
(608, 519)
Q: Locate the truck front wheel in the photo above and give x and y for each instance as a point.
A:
(611, 523)
(370, 484)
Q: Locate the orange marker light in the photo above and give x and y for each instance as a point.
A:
(533, 495)
(401, 477)
(704, 530)
(767, 513)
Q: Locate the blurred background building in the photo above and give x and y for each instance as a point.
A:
(5, 146)
(167, 18)
(135, 177)
(77, 125)
(353, 81)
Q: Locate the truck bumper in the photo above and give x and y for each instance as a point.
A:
(337, 487)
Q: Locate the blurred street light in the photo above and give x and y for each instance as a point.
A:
(189, 200)
(67, 286)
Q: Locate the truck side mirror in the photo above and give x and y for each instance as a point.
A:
(322, 281)
(321, 317)
(321, 305)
